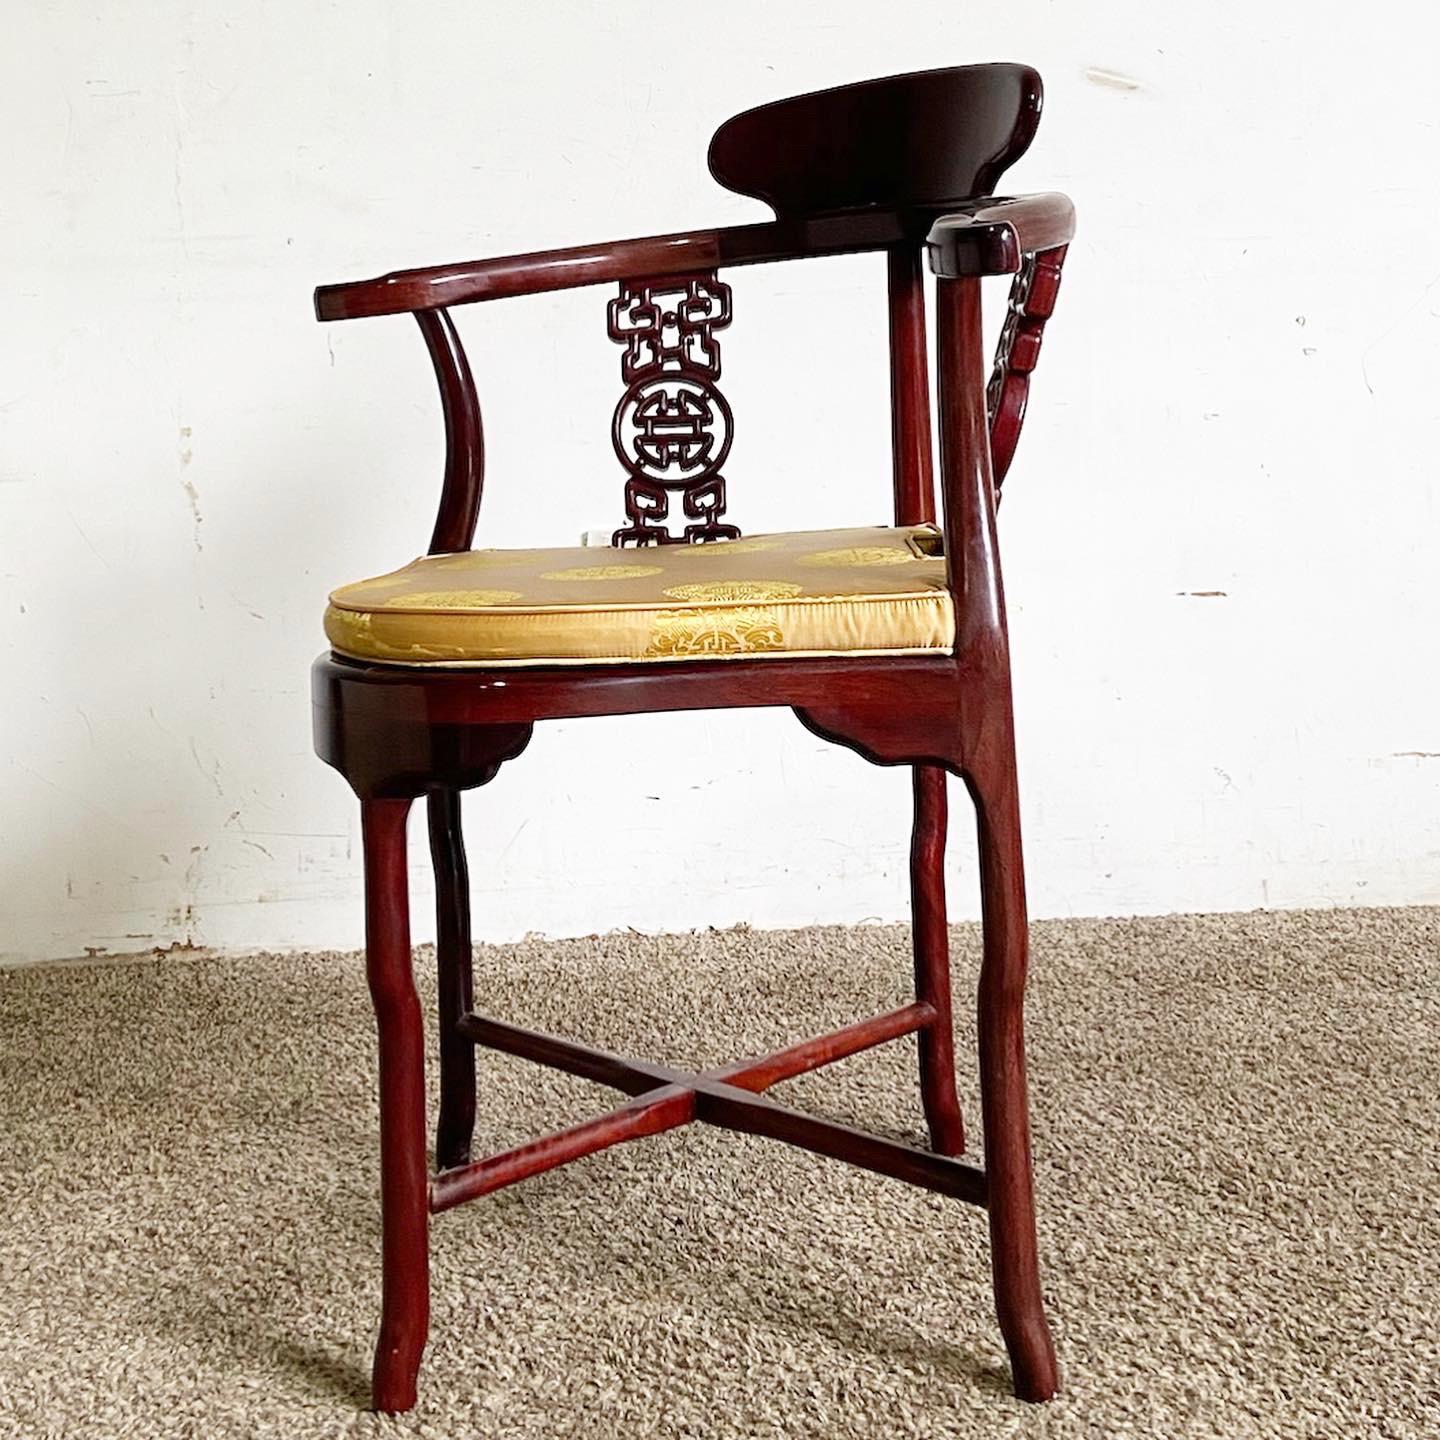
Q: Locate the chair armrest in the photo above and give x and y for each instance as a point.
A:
(444, 285)
(992, 236)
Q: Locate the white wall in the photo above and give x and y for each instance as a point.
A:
(1239, 395)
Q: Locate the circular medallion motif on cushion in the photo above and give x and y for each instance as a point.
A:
(739, 547)
(603, 572)
(859, 555)
(453, 599)
(749, 590)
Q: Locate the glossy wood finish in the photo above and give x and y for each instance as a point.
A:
(673, 426)
(391, 731)
(993, 236)
(634, 1077)
(914, 483)
(759, 1115)
(664, 1108)
(990, 773)
(930, 939)
(455, 975)
(905, 142)
(967, 488)
(1004, 1102)
(910, 439)
(651, 256)
(397, 733)
(975, 238)
(1032, 302)
(464, 436)
(404, 1196)
(764, 1071)
(620, 1072)
(730, 1097)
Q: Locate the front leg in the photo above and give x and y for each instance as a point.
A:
(1003, 1092)
(404, 1172)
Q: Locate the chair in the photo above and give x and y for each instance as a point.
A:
(891, 641)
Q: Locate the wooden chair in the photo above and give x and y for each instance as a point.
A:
(891, 641)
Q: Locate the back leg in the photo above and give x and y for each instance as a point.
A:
(453, 959)
(932, 962)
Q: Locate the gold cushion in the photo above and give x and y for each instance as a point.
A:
(817, 592)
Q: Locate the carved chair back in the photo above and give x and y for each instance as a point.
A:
(911, 145)
(922, 142)
(898, 165)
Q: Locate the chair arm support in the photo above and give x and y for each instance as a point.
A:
(464, 435)
(1032, 302)
(679, 254)
(1026, 236)
(992, 236)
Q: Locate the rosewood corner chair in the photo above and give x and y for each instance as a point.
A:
(439, 671)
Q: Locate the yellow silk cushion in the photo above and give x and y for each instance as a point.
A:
(817, 592)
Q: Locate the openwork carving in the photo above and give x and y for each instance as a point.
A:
(672, 427)
(1032, 302)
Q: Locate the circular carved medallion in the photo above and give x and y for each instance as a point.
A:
(673, 429)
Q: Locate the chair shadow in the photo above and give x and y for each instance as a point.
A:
(856, 1335)
(323, 1373)
(724, 1282)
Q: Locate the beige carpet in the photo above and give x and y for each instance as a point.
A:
(1236, 1149)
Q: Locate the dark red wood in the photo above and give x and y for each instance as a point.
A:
(454, 965)
(654, 1113)
(397, 731)
(672, 427)
(911, 143)
(764, 1071)
(990, 775)
(455, 521)
(516, 696)
(404, 1192)
(992, 236)
(736, 1109)
(914, 474)
(967, 488)
(986, 237)
(728, 1096)
(1032, 302)
(930, 939)
(900, 166)
(387, 750)
(633, 1077)
(1004, 1101)
(464, 435)
(915, 505)
(603, 263)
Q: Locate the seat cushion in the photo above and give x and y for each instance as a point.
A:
(811, 593)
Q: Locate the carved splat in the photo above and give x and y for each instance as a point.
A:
(672, 427)
(1032, 302)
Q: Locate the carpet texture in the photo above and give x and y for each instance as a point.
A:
(1236, 1155)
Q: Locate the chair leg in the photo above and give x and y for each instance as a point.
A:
(1004, 1104)
(453, 960)
(932, 962)
(404, 1174)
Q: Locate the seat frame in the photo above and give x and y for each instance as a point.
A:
(397, 733)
